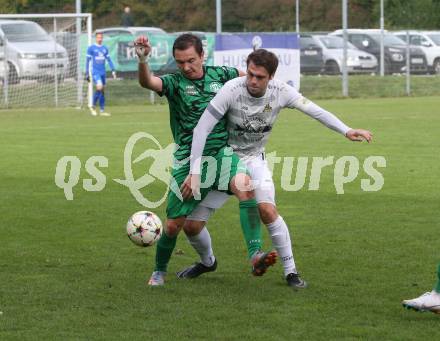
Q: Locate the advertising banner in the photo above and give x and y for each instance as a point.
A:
(232, 50)
(219, 49)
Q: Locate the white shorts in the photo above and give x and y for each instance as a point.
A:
(263, 187)
(262, 179)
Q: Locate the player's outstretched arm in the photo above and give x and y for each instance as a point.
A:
(146, 77)
(296, 100)
(325, 117)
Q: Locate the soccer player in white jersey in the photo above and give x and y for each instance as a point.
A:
(251, 104)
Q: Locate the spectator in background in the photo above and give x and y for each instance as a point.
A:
(127, 18)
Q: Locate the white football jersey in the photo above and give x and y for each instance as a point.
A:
(250, 119)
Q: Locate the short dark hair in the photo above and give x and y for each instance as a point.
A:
(187, 40)
(264, 58)
(99, 32)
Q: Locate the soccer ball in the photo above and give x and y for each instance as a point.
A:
(144, 228)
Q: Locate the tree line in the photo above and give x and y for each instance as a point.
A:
(244, 15)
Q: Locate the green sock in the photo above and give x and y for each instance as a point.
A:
(437, 287)
(164, 250)
(250, 225)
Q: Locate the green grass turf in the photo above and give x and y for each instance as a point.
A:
(67, 270)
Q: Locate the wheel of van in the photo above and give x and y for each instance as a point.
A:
(12, 74)
(436, 66)
(332, 68)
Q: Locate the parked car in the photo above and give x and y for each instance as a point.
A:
(429, 43)
(134, 30)
(333, 52)
(311, 59)
(70, 41)
(368, 40)
(30, 51)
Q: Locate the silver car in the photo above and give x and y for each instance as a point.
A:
(332, 49)
(30, 51)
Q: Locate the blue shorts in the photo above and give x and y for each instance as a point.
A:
(98, 79)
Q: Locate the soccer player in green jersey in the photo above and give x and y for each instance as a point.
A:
(189, 91)
(429, 301)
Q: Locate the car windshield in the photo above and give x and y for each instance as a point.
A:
(332, 42)
(435, 38)
(19, 32)
(388, 39)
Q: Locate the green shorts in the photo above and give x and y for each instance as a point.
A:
(217, 172)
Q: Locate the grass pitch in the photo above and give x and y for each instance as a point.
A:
(67, 270)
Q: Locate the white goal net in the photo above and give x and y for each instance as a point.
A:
(42, 60)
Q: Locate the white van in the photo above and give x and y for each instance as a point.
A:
(30, 52)
(429, 42)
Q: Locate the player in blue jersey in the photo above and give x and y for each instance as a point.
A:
(97, 54)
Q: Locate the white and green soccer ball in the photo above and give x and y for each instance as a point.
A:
(144, 228)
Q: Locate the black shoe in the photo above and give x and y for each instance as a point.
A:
(294, 281)
(196, 270)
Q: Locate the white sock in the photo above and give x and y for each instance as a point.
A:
(202, 244)
(279, 233)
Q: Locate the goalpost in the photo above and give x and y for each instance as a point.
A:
(42, 60)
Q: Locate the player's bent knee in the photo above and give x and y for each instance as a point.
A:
(99, 87)
(193, 227)
(173, 227)
(268, 212)
(241, 186)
